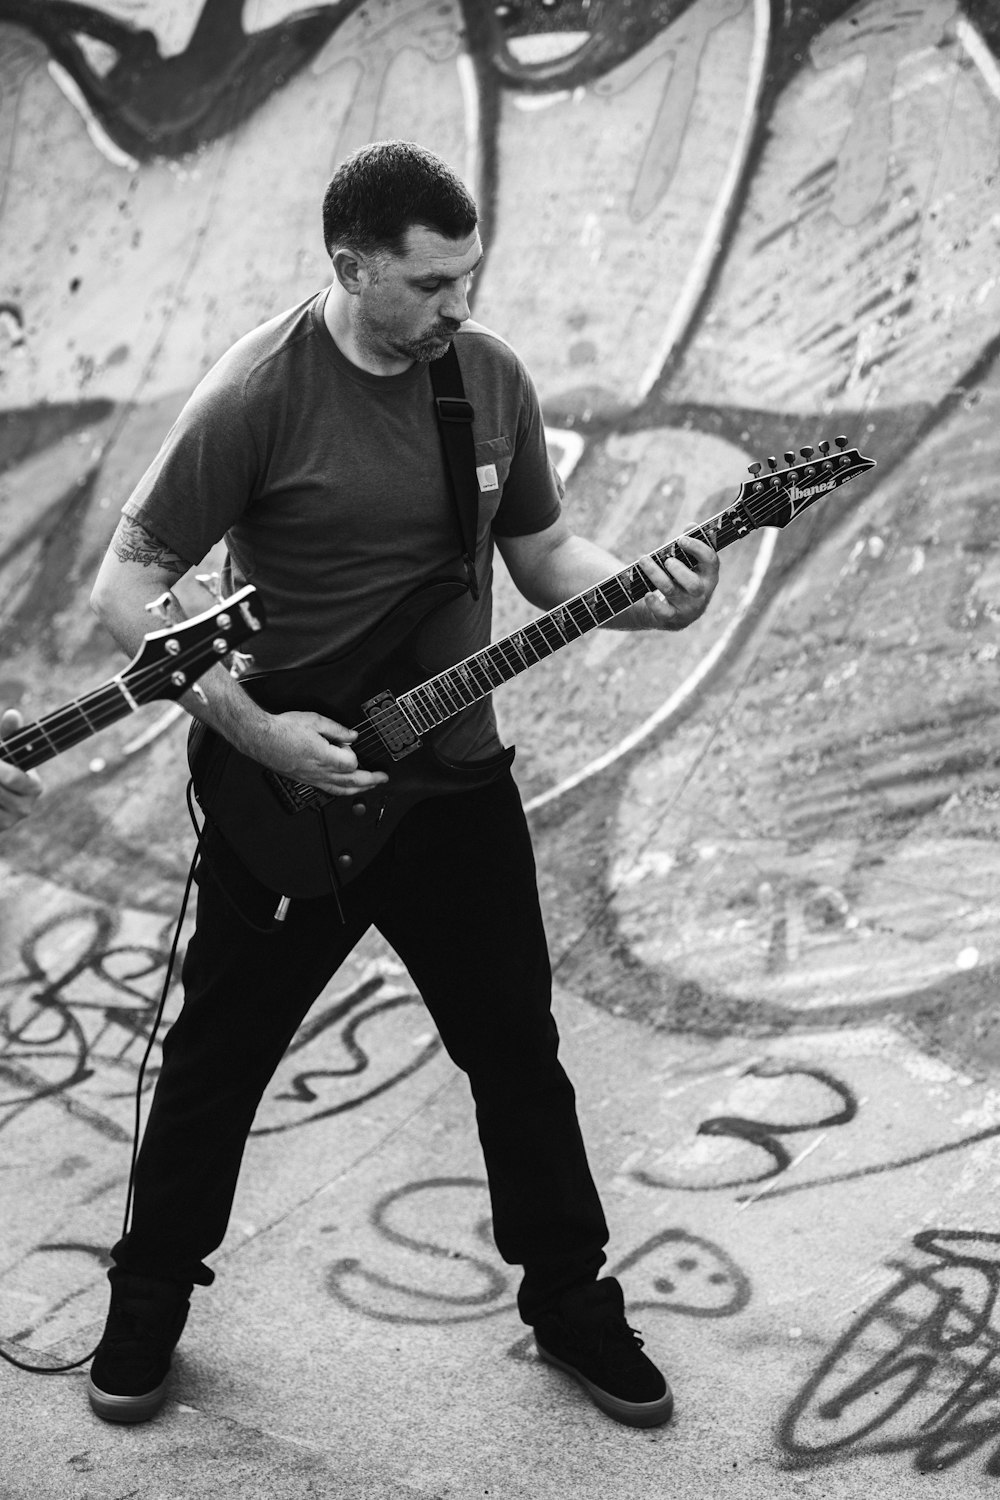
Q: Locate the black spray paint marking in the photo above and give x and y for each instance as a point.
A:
(88, 1021)
(763, 1133)
(50, 1041)
(918, 1371)
(672, 1271)
(310, 1090)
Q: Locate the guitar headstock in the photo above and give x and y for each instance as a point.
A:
(171, 660)
(776, 497)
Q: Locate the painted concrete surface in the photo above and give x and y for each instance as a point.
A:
(767, 847)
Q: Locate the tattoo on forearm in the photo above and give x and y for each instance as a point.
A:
(132, 543)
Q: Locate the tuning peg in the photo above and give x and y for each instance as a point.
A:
(239, 664)
(212, 582)
(789, 458)
(841, 441)
(772, 462)
(755, 468)
(824, 447)
(807, 453)
(161, 607)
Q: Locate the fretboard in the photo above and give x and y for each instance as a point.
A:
(443, 696)
(75, 721)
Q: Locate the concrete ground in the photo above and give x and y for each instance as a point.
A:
(767, 847)
(826, 1323)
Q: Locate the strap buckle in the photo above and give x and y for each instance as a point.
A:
(454, 409)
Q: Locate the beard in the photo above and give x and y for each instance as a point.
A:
(377, 336)
(427, 347)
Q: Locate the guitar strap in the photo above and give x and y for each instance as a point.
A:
(455, 414)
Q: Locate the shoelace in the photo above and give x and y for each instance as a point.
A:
(617, 1337)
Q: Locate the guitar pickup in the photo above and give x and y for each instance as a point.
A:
(391, 725)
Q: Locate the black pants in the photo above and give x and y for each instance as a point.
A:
(454, 893)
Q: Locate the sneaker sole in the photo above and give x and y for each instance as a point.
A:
(112, 1408)
(631, 1413)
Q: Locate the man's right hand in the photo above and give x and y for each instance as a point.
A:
(310, 748)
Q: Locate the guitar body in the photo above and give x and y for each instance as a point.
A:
(321, 847)
(297, 841)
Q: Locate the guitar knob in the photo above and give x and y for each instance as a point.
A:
(789, 458)
(344, 863)
(806, 452)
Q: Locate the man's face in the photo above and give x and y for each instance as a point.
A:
(418, 300)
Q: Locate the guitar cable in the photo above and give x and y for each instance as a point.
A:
(281, 911)
(158, 1017)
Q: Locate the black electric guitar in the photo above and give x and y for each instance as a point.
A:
(168, 662)
(302, 842)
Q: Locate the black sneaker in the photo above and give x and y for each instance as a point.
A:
(128, 1377)
(588, 1337)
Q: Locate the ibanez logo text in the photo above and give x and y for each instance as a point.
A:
(813, 489)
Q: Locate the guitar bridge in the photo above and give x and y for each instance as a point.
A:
(391, 725)
(294, 796)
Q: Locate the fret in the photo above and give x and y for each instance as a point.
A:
(450, 686)
(442, 697)
(478, 671)
(501, 663)
(614, 607)
(522, 646)
(57, 742)
(538, 640)
(635, 583)
(591, 602)
(547, 626)
(417, 711)
(66, 726)
(565, 621)
(443, 709)
(490, 668)
(465, 684)
(550, 633)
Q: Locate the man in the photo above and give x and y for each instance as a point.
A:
(19, 790)
(313, 447)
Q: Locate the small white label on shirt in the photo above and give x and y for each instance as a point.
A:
(487, 476)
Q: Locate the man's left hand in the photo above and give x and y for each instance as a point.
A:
(683, 591)
(18, 789)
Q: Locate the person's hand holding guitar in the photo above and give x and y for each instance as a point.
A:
(19, 790)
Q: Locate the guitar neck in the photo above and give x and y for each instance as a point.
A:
(443, 696)
(75, 721)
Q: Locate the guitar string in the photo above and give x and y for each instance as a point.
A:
(369, 737)
(99, 708)
(65, 721)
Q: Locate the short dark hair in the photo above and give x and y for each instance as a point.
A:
(382, 189)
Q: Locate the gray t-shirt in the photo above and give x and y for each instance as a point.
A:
(329, 485)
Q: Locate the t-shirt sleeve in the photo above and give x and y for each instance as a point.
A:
(204, 476)
(532, 494)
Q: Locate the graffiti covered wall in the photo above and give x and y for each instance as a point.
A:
(716, 230)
